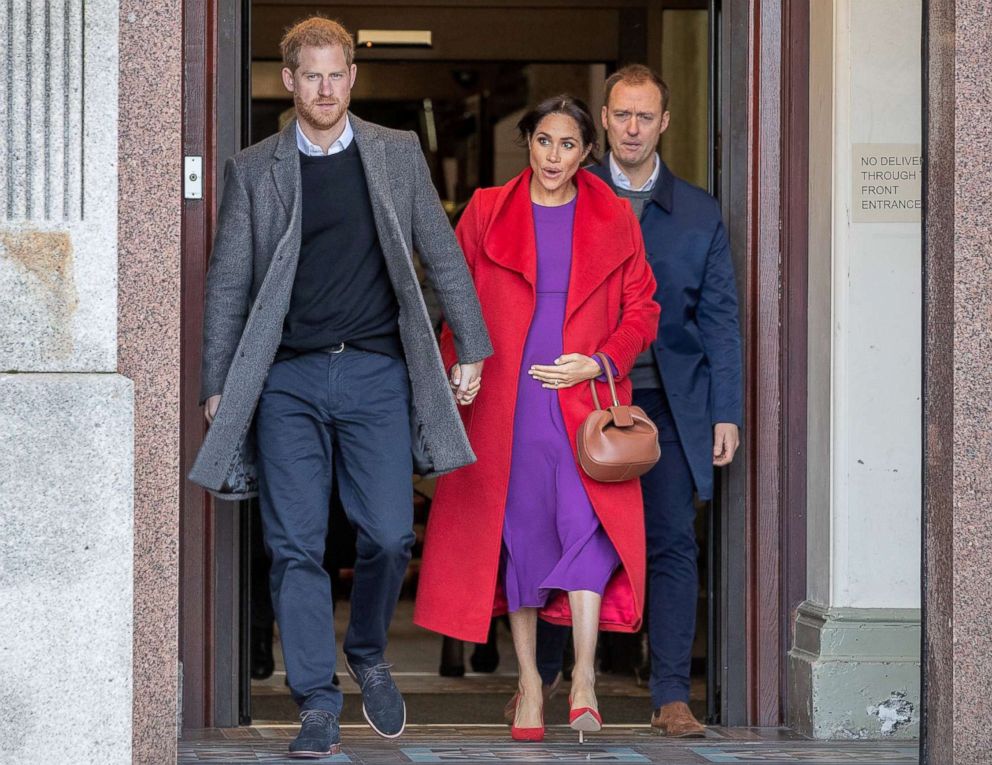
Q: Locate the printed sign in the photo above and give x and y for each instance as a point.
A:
(887, 180)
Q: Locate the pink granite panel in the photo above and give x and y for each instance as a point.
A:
(149, 348)
(972, 384)
(938, 399)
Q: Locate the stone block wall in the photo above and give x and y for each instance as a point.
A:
(66, 477)
(66, 415)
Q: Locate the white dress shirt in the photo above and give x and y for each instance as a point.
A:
(313, 150)
(621, 181)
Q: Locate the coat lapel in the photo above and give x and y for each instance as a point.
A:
(509, 239)
(286, 168)
(372, 151)
(602, 171)
(600, 239)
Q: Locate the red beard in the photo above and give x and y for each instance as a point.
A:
(322, 119)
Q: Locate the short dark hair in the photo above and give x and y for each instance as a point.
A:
(636, 74)
(568, 105)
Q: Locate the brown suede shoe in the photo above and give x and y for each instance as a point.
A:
(676, 720)
(510, 710)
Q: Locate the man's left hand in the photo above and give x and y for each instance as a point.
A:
(726, 439)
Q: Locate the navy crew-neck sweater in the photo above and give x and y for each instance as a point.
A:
(342, 292)
(645, 372)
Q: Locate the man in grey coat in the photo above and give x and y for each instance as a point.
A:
(319, 355)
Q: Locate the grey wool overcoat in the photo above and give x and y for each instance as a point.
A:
(250, 280)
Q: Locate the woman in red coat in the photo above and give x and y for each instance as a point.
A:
(558, 262)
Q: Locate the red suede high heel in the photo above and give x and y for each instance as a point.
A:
(525, 734)
(584, 720)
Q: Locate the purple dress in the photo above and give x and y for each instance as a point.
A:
(552, 539)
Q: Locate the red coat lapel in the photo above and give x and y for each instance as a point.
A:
(600, 244)
(509, 239)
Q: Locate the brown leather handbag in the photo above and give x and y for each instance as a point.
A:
(618, 443)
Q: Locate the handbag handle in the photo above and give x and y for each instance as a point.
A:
(608, 369)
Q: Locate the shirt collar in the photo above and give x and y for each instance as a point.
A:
(621, 181)
(311, 149)
(663, 192)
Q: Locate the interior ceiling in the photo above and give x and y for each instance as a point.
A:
(459, 33)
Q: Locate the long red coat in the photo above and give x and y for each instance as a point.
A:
(610, 309)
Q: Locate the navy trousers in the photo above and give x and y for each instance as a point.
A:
(673, 574)
(348, 412)
(673, 577)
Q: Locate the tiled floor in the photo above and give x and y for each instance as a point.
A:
(491, 744)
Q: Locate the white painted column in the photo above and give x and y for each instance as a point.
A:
(855, 660)
(877, 344)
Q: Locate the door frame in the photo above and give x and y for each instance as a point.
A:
(196, 544)
(762, 177)
(761, 165)
(210, 532)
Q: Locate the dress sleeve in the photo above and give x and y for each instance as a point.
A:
(613, 368)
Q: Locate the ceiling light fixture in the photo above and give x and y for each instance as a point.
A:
(394, 38)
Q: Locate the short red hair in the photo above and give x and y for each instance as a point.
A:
(637, 74)
(315, 32)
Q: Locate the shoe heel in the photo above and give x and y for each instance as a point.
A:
(584, 720)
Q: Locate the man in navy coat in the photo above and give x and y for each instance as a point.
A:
(688, 382)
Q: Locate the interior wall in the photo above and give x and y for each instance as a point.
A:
(544, 80)
(376, 79)
(685, 61)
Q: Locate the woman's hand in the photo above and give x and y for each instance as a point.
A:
(471, 375)
(568, 370)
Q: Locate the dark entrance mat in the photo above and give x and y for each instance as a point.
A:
(465, 709)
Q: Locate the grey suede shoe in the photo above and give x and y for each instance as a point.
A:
(382, 703)
(320, 736)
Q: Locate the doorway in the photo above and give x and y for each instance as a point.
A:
(465, 113)
(460, 98)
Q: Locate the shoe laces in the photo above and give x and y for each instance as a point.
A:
(375, 675)
(316, 717)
